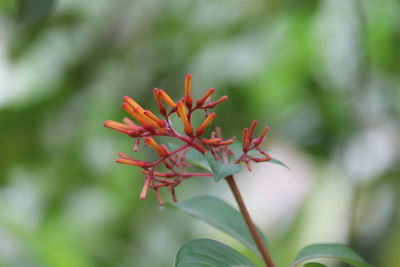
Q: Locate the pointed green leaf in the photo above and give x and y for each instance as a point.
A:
(210, 253)
(221, 170)
(277, 161)
(221, 215)
(336, 251)
(314, 264)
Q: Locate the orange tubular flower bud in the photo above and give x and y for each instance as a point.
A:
(225, 143)
(139, 117)
(145, 121)
(128, 108)
(212, 141)
(160, 150)
(138, 163)
(125, 156)
(161, 174)
(264, 133)
(188, 85)
(205, 123)
(164, 174)
(159, 102)
(153, 117)
(158, 196)
(201, 101)
(266, 158)
(145, 187)
(252, 128)
(245, 139)
(165, 148)
(166, 98)
(219, 101)
(132, 102)
(129, 122)
(186, 124)
(120, 127)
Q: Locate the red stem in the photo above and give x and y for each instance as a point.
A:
(253, 230)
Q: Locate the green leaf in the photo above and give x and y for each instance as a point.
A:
(221, 215)
(30, 11)
(314, 264)
(277, 161)
(221, 170)
(336, 251)
(209, 253)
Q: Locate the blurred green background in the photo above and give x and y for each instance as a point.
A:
(323, 74)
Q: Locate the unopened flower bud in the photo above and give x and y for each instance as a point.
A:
(201, 101)
(160, 150)
(164, 96)
(188, 85)
(205, 123)
(186, 124)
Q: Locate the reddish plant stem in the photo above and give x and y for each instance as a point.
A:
(253, 230)
(170, 154)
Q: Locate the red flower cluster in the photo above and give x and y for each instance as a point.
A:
(174, 162)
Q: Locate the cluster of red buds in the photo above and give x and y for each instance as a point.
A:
(171, 167)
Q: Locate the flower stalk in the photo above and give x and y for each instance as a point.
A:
(246, 216)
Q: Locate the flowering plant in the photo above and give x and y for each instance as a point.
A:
(223, 159)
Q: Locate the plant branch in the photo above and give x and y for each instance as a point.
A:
(253, 230)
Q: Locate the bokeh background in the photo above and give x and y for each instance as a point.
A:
(324, 74)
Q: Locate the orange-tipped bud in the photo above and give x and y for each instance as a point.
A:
(225, 143)
(158, 196)
(139, 117)
(164, 174)
(205, 123)
(129, 109)
(219, 101)
(153, 117)
(160, 150)
(120, 127)
(145, 121)
(186, 124)
(264, 133)
(252, 128)
(188, 85)
(125, 156)
(138, 163)
(266, 158)
(165, 148)
(245, 139)
(145, 188)
(212, 141)
(132, 102)
(161, 174)
(164, 96)
(161, 107)
(201, 101)
(129, 122)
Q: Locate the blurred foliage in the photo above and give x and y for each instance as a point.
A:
(323, 74)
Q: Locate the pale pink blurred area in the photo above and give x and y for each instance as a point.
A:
(274, 193)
